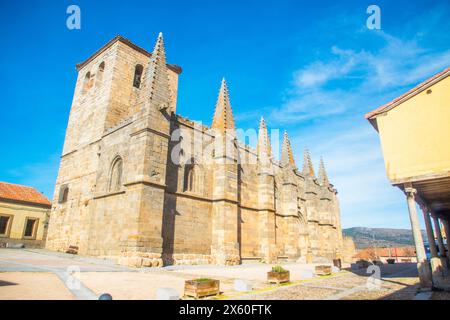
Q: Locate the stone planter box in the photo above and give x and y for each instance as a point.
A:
(278, 277)
(72, 250)
(323, 270)
(201, 288)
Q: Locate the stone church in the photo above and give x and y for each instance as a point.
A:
(140, 183)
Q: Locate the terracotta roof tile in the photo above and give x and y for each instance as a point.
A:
(388, 105)
(21, 193)
(369, 253)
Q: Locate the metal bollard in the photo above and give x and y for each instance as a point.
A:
(105, 296)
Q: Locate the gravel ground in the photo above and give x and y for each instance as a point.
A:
(41, 275)
(401, 289)
(399, 282)
(440, 295)
(346, 281)
(294, 293)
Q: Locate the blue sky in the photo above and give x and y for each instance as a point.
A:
(311, 67)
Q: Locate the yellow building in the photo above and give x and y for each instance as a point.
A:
(414, 132)
(24, 215)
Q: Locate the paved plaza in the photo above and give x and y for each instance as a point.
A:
(41, 274)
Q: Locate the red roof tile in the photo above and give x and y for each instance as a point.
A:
(370, 253)
(411, 92)
(21, 193)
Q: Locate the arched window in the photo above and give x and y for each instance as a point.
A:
(63, 193)
(138, 76)
(86, 82)
(115, 180)
(101, 69)
(189, 177)
(193, 177)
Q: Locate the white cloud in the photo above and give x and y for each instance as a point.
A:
(318, 73)
(330, 98)
(40, 175)
(397, 64)
(313, 104)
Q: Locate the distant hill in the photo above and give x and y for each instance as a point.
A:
(384, 237)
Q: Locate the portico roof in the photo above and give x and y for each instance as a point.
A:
(434, 193)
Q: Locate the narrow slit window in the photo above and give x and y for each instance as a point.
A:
(87, 82)
(101, 69)
(191, 179)
(138, 76)
(63, 193)
(115, 180)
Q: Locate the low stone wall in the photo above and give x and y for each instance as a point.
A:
(140, 259)
(191, 259)
(147, 259)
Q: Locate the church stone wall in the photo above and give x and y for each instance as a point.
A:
(249, 233)
(198, 207)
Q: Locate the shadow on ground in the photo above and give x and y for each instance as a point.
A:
(387, 271)
(7, 283)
